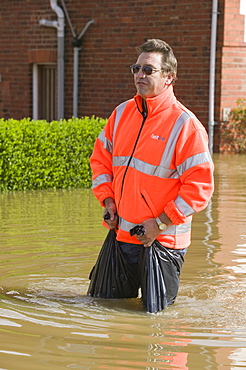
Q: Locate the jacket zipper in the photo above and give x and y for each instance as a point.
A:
(144, 114)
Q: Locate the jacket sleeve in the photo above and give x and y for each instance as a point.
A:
(195, 168)
(101, 163)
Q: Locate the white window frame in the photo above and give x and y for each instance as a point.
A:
(35, 89)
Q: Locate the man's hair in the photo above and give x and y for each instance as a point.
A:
(169, 62)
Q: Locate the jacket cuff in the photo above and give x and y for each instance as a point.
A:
(104, 196)
(175, 215)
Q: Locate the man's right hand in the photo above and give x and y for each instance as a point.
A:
(110, 209)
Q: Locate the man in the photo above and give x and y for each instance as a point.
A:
(151, 164)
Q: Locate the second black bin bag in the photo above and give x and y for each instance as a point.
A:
(158, 274)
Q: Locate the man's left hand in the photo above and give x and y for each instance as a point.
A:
(151, 232)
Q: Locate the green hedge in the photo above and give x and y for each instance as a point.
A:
(42, 155)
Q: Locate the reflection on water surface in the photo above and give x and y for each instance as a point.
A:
(49, 241)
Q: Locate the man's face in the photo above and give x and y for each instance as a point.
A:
(154, 84)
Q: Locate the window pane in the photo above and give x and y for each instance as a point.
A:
(47, 92)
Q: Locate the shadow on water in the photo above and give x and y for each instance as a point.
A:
(49, 241)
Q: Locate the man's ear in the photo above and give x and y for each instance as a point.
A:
(170, 78)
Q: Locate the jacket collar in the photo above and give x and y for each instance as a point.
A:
(158, 103)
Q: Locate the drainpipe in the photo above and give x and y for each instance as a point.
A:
(76, 49)
(77, 43)
(59, 25)
(212, 74)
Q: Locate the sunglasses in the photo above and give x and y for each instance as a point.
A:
(147, 70)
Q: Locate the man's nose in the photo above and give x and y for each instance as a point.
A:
(141, 74)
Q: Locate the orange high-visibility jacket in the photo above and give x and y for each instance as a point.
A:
(151, 161)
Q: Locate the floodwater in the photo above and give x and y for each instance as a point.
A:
(49, 241)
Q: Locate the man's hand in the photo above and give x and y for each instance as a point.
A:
(151, 232)
(111, 212)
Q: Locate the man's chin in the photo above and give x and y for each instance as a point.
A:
(142, 93)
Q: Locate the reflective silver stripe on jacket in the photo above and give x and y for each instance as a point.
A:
(163, 169)
(145, 167)
(101, 180)
(171, 230)
(107, 144)
(172, 140)
(119, 111)
(183, 206)
(159, 171)
(194, 161)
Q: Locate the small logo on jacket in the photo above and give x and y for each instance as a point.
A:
(157, 137)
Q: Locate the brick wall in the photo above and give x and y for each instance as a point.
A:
(232, 75)
(233, 84)
(120, 26)
(108, 50)
(20, 33)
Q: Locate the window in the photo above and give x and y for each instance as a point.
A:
(44, 92)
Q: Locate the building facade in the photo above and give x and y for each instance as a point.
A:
(48, 71)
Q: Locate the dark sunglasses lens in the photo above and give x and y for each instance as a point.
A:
(147, 70)
(135, 68)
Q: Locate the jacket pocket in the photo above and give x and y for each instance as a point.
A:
(149, 202)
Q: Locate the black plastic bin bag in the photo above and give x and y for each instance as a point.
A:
(158, 274)
(112, 276)
(160, 269)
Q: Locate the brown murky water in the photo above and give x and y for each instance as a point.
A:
(49, 241)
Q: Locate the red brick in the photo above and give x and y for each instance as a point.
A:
(108, 50)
